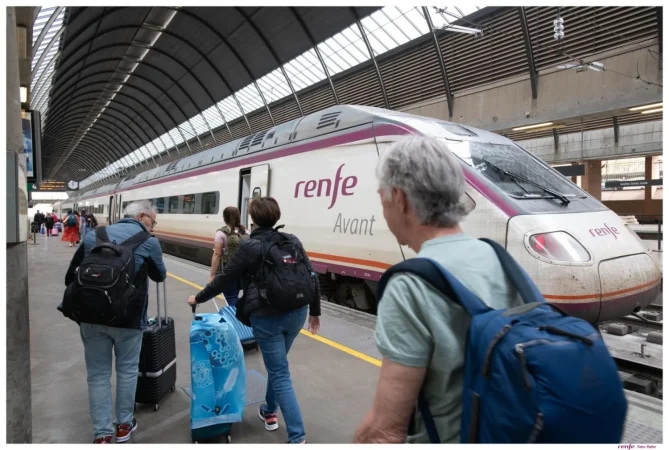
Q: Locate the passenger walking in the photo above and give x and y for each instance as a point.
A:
(49, 223)
(278, 283)
(71, 232)
(226, 243)
(420, 334)
(76, 213)
(39, 220)
(123, 332)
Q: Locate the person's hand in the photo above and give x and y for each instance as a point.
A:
(314, 324)
(191, 300)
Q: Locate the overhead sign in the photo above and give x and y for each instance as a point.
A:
(52, 186)
(571, 171)
(632, 183)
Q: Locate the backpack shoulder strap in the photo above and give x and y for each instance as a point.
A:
(442, 280)
(522, 282)
(136, 240)
(101, 236)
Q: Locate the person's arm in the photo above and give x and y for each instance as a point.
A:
(396, 393)
(405, 343)
(233, 271)
(157, 270)
(220, 241)
(71, 273)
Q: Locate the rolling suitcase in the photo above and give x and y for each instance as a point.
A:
(218, 377)
(245, 333)
(158, 359)
(54, 232)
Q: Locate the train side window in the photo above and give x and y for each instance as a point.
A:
(173, 205)
(159, 204)
(209, 203)
(189, 204)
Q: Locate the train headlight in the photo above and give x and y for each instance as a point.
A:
(559, 246)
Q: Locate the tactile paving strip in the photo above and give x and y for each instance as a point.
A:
(256, 385)
(639, 433)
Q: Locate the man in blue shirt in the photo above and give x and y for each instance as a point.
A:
(99, 340)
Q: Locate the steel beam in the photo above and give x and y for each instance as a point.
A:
(442, 63)
(371, 55)
(534, 76)
(318, 52)
(270, 47)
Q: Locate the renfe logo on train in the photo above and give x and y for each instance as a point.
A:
(325, 187)
(613, 231)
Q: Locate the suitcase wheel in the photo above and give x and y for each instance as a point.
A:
(156, 407)
(173, 389)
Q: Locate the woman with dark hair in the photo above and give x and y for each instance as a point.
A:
(275, 328)
(226, 243)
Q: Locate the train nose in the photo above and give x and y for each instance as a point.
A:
(627, 283)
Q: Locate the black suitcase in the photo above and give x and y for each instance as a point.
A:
(158, 359)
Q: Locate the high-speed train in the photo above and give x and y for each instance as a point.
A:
(321, 170)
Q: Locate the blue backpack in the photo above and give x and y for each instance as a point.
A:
(532, 373)
(71, 221)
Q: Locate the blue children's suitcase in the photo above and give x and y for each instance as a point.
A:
(245, 333)
(218, 377)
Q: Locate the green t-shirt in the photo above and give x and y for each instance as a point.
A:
(417, 327)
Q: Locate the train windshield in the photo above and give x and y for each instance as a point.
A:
(515, 171)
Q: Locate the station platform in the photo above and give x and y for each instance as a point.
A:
(334, 374)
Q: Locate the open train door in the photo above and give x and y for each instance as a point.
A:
(257, 186)
(110, 214)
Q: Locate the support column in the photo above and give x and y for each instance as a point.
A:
(648, 190)
(592, 180)
(19, 402)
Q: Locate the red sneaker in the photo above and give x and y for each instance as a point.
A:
(125, 430)
(103, 440)
(270, 419)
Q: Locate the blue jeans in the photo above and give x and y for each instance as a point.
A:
(231, 293)
(98, 343)
(275, 335)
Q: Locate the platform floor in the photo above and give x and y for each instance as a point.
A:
(334, 374)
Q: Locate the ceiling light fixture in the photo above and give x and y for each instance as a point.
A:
(653, 106)
(552, 127)
(529, 127)
(650, 111)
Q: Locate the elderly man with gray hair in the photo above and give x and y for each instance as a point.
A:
(420, 333)
(125, 339)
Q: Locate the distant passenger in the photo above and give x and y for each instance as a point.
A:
(76, 213)
(124, 338)
(420, 334)
(49, 223)
(39, 220)
(71, 232)
(226, 243)
(274, 304)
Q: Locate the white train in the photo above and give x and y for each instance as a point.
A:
(320, 168)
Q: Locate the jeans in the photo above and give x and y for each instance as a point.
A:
(275, 335)
(98, 343)
(231, 293)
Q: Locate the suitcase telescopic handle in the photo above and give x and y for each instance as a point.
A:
(193, 307)
(164, 302)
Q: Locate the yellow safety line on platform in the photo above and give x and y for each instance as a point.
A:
(318, 338)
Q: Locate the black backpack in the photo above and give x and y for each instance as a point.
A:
(283, 280)
(103, 291)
